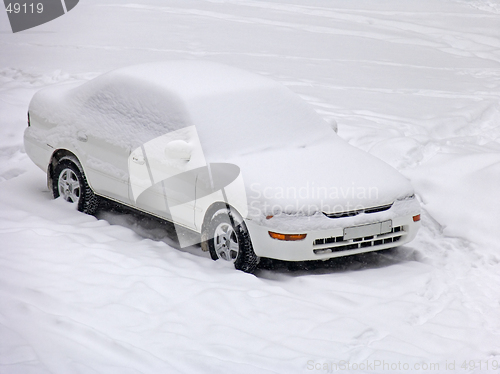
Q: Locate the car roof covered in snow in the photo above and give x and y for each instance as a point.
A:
(132, 105)
(192, 79)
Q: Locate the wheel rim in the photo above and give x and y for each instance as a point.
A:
(226, 242)
(69, 186)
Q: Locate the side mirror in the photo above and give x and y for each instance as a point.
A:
(178, 150)
(334, 125)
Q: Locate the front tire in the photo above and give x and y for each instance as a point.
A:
(226, 237)
(69, 182)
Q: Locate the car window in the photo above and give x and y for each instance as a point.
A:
(130, 112)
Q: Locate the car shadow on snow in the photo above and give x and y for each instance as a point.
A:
(156, 229)
(147, 226)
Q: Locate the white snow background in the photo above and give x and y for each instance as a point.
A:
(416, 83)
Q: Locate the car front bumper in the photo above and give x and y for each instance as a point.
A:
(328, 243)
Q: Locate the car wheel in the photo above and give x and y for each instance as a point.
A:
(227, 239)
(69, 182)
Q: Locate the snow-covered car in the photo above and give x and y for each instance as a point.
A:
(233, 156)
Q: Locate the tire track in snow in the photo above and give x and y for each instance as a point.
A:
(325, 11)
(377, 35)
(443, 39)
(457, 40)
(162, 50)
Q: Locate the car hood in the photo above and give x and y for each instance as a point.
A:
(330, 176)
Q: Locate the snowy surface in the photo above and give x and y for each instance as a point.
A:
(416, 83)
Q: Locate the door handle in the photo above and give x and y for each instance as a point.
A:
(81, 136)
(138, 159)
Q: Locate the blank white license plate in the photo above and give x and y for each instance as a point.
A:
(367, 230)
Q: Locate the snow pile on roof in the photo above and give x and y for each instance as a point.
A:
(132, 105)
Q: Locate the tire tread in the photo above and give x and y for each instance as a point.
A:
(89, 202)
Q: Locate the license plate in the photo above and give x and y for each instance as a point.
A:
(367, 230)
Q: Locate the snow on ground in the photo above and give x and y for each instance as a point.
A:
(416, 83)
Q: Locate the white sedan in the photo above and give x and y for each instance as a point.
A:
(235, 157)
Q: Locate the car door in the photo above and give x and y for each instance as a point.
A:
(105, 165)
(163, 175)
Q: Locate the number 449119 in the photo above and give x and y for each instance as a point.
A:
(24, 8)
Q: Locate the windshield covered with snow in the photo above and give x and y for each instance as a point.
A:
(256, 120)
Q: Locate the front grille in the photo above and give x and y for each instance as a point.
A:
(338, 244)
(352, 213)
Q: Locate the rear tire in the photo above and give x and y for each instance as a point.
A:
(69, 182)
(227, 238)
